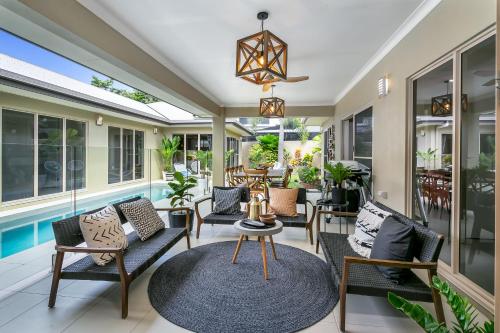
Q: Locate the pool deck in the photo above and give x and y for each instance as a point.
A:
(27, 267)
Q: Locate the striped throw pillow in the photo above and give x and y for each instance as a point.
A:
(368, 223)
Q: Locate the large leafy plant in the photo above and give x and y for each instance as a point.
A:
(268, 142)
(167, 150)
(180, 187)
(338, 172)
(465, 314)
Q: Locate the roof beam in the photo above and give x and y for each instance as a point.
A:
(125, 61)
(290, 111)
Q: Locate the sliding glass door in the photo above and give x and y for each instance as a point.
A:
(453, 171)
(433, 145)
(477, 164)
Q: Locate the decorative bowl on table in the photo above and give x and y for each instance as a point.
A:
(267, 218)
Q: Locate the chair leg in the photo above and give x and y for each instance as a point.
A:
(198, 227)
(124, 294)
(436, 297)
(310, 229)
(342, 309)
(56, 276)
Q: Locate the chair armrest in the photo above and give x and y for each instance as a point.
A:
(63, 248)
(337, 213)
(389, 263)
(197, 202)
(176, 209)
(311, 220)
(197, 210)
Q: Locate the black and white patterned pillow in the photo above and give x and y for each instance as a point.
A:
(368, 223)
(143, 217)
(103, 229)
(227, 202)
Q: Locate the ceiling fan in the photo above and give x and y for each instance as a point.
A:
(291, 79)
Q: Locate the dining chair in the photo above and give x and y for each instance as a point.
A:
(257, 182)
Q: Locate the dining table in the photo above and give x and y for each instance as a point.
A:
(271, 173)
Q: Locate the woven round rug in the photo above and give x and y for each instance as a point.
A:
(202, 291)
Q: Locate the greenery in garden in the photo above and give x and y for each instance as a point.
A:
(427, 156)
(135, 94)
(265, 151)
(465, 314)
(205, 158)
(167, 150)
(308, 175)
(180, 189)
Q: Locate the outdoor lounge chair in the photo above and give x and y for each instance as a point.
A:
(128, 265)
(358, 275)
(213, 218)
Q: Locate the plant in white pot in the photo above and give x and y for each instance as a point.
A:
(180, 187)
(338, 173)
(168, 149)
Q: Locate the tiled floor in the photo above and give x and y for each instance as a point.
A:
(86, 306)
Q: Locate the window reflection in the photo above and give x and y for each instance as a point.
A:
(433, 142)
(477, 192)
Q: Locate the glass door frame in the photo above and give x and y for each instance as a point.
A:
(483, 298)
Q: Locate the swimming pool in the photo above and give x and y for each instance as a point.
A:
(19, 234)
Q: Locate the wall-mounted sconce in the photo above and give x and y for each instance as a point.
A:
(383, 86)
(99, 121)
(155, 130)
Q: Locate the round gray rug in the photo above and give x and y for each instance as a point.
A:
(201, 290)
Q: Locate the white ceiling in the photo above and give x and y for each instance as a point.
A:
(329, 40)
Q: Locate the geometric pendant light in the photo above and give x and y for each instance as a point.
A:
(262, 57)
(272, 107)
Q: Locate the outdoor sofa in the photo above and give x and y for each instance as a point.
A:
(128, 265)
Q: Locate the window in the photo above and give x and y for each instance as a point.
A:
(477, 165)
(191, 149)
(75, 155)
(139, 155)
(51, 164)
(18, 162)
(232, 145)
(50, 155)
(125, 155)
(363, 132)
(430, 177)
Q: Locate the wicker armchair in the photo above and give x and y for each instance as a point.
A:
(213, 218)
(358, 275)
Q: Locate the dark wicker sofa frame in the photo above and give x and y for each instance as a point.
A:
(302, 220)
(221, 219)
(358, 275)
(129, 264)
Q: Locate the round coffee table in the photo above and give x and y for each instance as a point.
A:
(261, 237)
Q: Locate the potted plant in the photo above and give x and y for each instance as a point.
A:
(309, 177)
(427, 156)
(338, 173)
(180, 187)
(168, 149)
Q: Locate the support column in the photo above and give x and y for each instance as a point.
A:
(218, 148)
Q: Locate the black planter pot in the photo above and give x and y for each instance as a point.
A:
(352, 197)
(338, 195)
(178, 219)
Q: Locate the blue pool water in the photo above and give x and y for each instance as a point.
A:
(22, 233)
